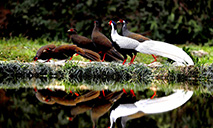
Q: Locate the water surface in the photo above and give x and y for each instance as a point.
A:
(81, 104)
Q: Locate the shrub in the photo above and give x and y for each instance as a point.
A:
(174, 21)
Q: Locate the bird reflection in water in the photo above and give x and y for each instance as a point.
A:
(122, 105)
(61, 97)
(97, 102)
(149, 106)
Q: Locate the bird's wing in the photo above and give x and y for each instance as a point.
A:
(126, 43)
(164, 104)
(166, 50)
(137, 37)
(89, 54)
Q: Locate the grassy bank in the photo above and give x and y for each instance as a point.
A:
(113, 76)
(23, 50)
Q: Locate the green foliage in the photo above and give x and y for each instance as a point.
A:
(188, 51)
(20, 70)
(175, 21)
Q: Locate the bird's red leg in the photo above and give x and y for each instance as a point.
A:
(104, 57)
(71, 58)
(154, 58)
(132, 92)
(48, 59)
(133, 58)
(124, 61)
(124, 91)
(35, 89)
(49, 89)
(76, 94)
(153, 95)
(103, 92)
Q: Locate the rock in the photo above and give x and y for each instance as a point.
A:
(155, 64)
(199, 53)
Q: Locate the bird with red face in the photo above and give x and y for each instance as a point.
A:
(45, 53)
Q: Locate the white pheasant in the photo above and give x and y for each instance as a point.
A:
(151, 47)
(149, 106)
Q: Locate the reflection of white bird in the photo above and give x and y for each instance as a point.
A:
(151, 47)
(149, 106)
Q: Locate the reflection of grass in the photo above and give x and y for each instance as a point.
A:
(24, 50)
(199, 88)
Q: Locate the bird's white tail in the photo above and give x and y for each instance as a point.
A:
(166, 50)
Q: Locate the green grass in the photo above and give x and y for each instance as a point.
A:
(208, 59)
(23, 50)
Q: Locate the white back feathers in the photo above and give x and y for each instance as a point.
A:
(151, 47)
(166, 50)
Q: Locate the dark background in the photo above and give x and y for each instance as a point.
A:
(173, 21)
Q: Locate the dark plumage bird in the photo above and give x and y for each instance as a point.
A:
(44, 53)
(81, 41)
(138, 37)
(72, 101)
(103, 44)
(44, 96)
(62, 98)
(127, 33)
(80, 108)
(84, 42)
(64, 52)
(103, 105)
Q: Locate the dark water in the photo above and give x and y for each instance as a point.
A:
(30, 104)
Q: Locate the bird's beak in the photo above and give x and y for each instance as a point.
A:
(118, 22)
(68, 30)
